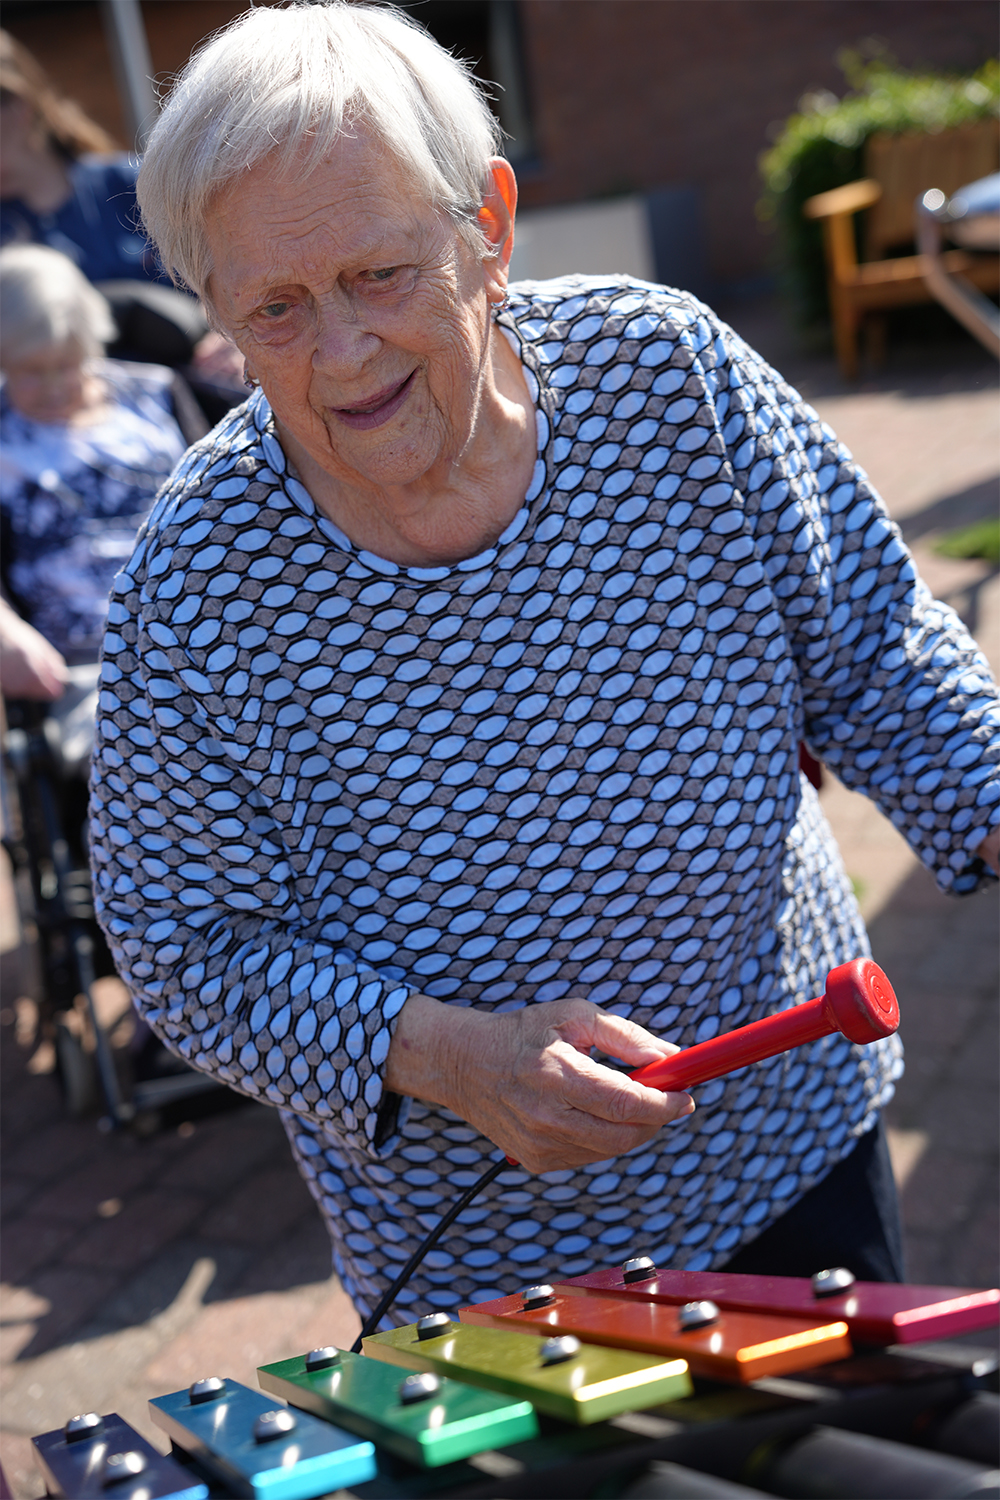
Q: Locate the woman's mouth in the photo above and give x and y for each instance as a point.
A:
(379, 408)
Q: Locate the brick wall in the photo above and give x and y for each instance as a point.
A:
(626, 95)
(629, 95)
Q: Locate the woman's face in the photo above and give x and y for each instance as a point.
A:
(49, 385)
(361, 312)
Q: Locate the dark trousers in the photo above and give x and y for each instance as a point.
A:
(849, 1219)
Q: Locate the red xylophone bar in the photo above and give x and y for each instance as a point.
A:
(859, 1002)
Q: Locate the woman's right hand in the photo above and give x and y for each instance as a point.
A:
(525, 1078)
(29, 666)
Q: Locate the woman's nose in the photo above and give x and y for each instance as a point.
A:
(344, 343)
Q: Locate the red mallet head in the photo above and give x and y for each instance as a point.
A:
(859, 1001)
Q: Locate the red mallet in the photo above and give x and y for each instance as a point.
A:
(858, 1002)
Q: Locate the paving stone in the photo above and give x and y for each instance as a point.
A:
(145, 1224)
(53, 1150)
(157, 1286)
(29, 1102)
(935, 1023)
(976, 1062)
(301, 1257)
(976, 1257)
(72, 1294)
(18, 1459)
(263, 1210)
(101, 1180)
(29, 1243)
(14, 1339)
(930, 1259)
(22, 1304)
(248, 1142)
(940, 1190)
(963, 1120)
(237, 1336)
(14, 1194)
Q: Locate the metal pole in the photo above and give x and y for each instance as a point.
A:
(126, 34)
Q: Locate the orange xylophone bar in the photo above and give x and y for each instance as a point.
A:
(859, 1002)
(728, 1346)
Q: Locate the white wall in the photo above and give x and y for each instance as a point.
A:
(589, 238)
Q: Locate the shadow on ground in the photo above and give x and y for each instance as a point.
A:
(101, 1232)
(948, 361)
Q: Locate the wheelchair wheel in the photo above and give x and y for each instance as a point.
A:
(77, 1072)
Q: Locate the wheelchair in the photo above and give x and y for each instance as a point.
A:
(46, 755)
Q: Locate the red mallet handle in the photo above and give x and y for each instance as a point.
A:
(858, 1002)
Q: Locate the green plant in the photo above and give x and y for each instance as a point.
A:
(822, 147)
(981, 539)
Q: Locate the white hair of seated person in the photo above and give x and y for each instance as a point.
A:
(46, 301)
(276, 80)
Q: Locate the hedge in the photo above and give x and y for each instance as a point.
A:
(822, 147)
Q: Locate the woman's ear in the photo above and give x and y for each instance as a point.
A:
(496, 220)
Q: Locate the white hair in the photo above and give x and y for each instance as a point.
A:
(46, 300)
(282, 81)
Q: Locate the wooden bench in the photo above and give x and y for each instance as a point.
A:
(900, 169)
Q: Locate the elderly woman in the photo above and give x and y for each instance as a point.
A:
(452, 702)
(86, 442)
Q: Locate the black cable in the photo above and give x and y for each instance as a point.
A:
(425, 1246)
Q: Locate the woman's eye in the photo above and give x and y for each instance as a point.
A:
(275, 309)
(386, 273)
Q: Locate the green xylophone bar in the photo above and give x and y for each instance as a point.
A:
(424, 1418)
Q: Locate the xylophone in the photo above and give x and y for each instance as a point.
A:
(632, 1381)
(608, 1385)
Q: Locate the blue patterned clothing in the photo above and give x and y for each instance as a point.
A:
(567, 766)
(98, 225)
(72, 499)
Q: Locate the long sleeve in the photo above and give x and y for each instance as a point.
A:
(223, 923)
(895, 695)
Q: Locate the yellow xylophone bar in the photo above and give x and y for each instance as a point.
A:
(578, 1382)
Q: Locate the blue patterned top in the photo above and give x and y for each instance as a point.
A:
(565, 766)
(72, 499)
(97, 227)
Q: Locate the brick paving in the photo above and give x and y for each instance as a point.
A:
(133, 1266)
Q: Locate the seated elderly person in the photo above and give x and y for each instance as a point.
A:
(87, 442)
(452, 701)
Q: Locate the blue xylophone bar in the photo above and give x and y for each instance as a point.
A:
(103, 1456)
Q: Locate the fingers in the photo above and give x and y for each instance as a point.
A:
(567, 1138)
(573, 1110)
(605, 1094)
(620, 1038)
(526, 1081)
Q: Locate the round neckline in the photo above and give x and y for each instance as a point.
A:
(527, 512)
